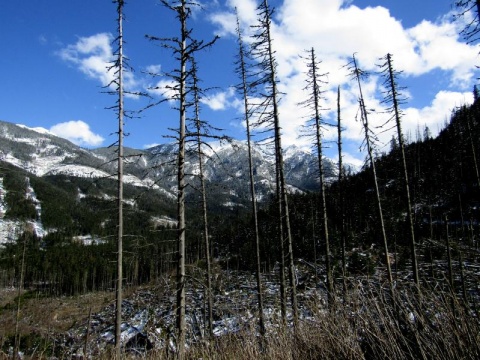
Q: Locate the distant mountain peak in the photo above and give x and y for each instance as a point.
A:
(38, 129)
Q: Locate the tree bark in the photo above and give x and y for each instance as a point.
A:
(405, 172)
(342, 197)
(118, 312)
(323, 202)
(244, 89)
(181, 188)
(371, 158)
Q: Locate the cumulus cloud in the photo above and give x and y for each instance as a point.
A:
(78, 132)
(165, 88)
(220, 100)
(93, 56)
(337, 29)
(434, 115)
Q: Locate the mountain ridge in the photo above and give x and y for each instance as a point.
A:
(42, 153)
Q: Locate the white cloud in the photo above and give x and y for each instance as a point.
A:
(221, 100)
(337, 29)
(93, 55)
(153, 69)
(165, 88)
(435, 114)
(78, 132)
(227, 22)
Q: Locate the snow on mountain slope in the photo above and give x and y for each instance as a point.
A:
(10, 229)
(38, 129)
(39, 152)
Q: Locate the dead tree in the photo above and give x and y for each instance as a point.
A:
(313, 87)
(183, 47)
(199, 126)
(118, 68)
(357, 74)
(394, 99)
(244, 90)
(341, 173)
(262, 52)
(471, 31)
(19, 293)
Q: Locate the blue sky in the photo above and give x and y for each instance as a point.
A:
(54, 55)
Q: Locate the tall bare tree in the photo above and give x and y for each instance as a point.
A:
(394, 98)
(118, 68)
(357, 74)
(183, 47)
(19, 293)
(314, 82)
(263, 53)
(199, 129)
(244, 90)
(341, 177)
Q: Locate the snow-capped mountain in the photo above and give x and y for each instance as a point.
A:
(226, 163)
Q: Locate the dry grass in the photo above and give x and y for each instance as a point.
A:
(43, 320)
(367, 326)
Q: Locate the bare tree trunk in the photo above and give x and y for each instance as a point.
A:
(284, 215)
(462, 277)
(244, 89)
(449, 263)
(318, 144)
(181, 189)
(401, 143)
(472, 146)
(118, 312)
(183, 52)
(263, 52)
(371, 158)
(19, 296)
(342, 197)
(204, 202)
(87, 334)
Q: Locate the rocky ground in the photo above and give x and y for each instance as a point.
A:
(70, 326)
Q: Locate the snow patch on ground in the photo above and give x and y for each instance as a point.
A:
(78, 171)
(88, 240)
(11, 229)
